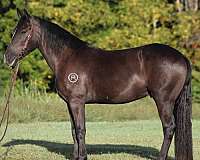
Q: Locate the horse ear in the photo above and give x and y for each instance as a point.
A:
(19, 13)
(25, 13)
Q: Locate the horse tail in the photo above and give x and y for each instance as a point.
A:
(182, 113)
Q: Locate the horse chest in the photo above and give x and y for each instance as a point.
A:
(71, 85)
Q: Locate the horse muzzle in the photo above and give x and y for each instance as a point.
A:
(10, 60)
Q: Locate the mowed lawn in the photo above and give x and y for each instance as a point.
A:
(131, 140)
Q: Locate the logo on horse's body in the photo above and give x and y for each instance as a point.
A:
(73, 77)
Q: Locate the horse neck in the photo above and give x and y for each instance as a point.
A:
(47, 52)
(56, 44)
(53, 55)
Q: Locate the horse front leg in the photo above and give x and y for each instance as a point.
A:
(77, 113)
(75, 150)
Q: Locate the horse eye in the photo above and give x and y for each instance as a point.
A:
(23, 31)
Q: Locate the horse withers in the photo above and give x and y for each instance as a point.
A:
(85, 74)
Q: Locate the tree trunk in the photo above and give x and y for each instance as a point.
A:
(26, 4)
(192, 5)
(198, 4)
(187, 5)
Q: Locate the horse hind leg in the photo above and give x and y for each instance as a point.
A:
(165, 110)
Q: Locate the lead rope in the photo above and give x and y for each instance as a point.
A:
(12, 84)
(7, 106)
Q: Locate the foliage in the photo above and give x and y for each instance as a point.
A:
(109, 24)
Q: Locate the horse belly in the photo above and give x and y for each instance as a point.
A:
(130, 94)
(121, 90)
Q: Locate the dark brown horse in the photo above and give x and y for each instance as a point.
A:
(92, 75)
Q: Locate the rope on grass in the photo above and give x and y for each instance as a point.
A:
(7, 106)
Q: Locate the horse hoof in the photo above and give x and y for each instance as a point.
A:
(83, 158)
(79, 158)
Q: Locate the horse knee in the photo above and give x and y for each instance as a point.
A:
(81, 133)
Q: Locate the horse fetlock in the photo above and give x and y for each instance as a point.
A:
(83, 157)
(79, 157)
(75, 151)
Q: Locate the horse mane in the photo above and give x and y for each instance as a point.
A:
(59, 37)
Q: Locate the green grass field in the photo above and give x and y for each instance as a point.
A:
(38, 130)
(131, 140)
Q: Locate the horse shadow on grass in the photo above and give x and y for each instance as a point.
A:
(66, 149)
